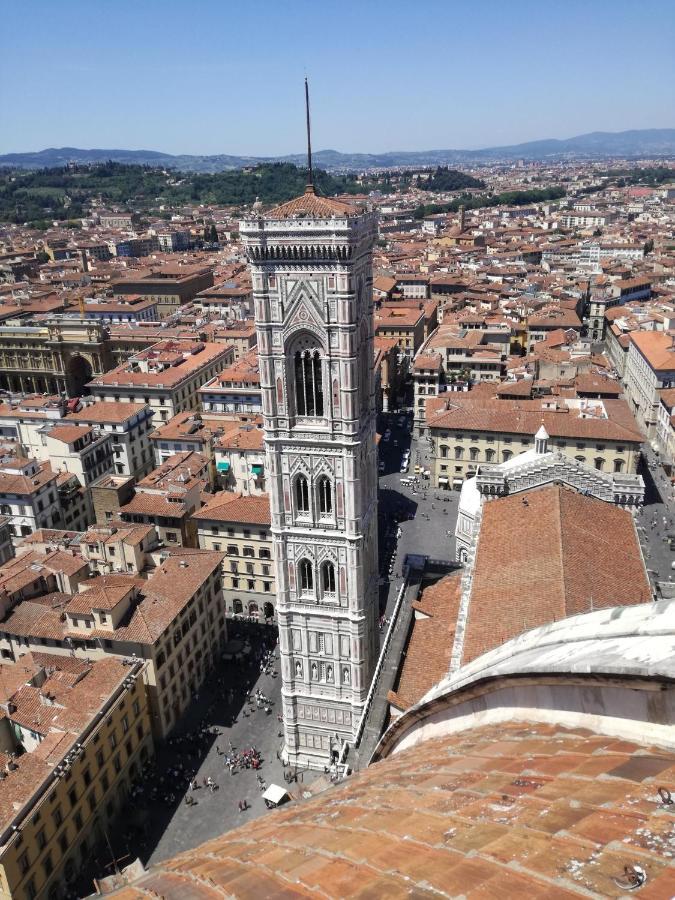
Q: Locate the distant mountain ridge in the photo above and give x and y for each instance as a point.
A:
(644, 143)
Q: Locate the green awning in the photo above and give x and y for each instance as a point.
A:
(223, 466)
(257, 470)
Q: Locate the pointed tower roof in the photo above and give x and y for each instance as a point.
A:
(542, 434)
(310, 206)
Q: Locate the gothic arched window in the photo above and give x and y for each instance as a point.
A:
(328, 578)
(306, 575)
(325, 492)
(308, 383)
(302, 494)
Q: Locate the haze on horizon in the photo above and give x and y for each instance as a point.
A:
(210, 78)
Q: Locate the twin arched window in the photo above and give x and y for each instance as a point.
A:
(324, 490)
(306, 577)
(308, 383)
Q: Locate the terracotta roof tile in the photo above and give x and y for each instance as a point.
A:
(230, 507)
(476, 814)
(545, 555)
(311, 206)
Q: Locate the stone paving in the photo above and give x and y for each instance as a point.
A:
(153, 829)
(655, 522)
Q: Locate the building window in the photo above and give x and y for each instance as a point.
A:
(306, 575)
(302, 494)
(325, 495)
(308, 383)
(444, 451)
(328, 577)
(490, 455)
(459, 452)
(618, 465)
(506, 455)
(599, 463)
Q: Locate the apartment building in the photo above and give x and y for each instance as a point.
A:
(230, 299)
(650, 368)
(239, 453)
(168, 497)
(403, 323)
(166, 377)
(28, 496)
(188, 431)
(427, 372)
(74, 736)
(589, 219)
(78, 450)
(413, 287)
(117, 220)
(236, 389)
(119, 548)
(240, 334)
(466, 432)
(239, 526)
(168, 286)
(542, 323)
(6, 546)
(173, 241)
(129, 426)
(114, 312)
(174, 620)
(39, 569)
(75, 502)
(108, 495)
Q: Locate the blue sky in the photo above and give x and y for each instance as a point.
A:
(215, 76)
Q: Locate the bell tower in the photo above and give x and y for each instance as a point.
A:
(311, 265)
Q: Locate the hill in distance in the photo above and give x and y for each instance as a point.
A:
(637, 144)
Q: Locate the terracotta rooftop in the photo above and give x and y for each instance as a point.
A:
(311, 206)
(479, 411)
(505, 811)
(108, 412)
(230, 507)
(429, 648)
(80, 688)
(545, 555)
(657, 347)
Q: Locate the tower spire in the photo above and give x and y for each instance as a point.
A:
(310, 174)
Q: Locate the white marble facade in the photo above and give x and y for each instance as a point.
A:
(312, 289)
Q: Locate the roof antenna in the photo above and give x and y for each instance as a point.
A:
(310, 179)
